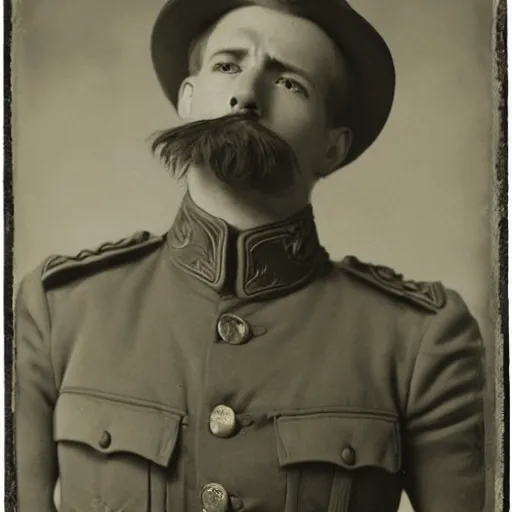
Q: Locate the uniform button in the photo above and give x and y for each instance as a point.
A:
(105, 439)
(233, 329)
(348, 456)
(222, 421)
(214, 498)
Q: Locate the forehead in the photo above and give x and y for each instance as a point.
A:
(282, 36)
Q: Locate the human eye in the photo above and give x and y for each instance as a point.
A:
(226, 67)
(292, 85)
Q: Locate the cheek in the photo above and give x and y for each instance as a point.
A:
(309, 153)
(210, 101)
(302, 125)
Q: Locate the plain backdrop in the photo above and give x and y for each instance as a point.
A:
(86, 100)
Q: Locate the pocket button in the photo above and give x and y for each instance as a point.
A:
(348, 455)
(105, 439)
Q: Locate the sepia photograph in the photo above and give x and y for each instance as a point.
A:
(256, 256)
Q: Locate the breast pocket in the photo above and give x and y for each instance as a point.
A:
(113, 456)
(325, 454)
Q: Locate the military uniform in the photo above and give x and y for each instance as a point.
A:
(212, 370)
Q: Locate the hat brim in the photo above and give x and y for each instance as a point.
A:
(181, 21)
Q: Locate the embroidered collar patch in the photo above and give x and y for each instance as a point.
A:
(429, 295)
(258, 263)
(59, 269)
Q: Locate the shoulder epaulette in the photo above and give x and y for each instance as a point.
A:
(429, 295)
(58, 270)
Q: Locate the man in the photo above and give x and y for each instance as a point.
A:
(230, 364)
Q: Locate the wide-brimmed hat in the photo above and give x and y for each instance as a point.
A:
(371, 63)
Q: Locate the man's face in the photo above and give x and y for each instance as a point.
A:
(278, 65)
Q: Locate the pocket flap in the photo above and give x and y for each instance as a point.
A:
(347, 440)
(110, 426)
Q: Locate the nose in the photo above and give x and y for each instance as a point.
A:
(246, 95)
(240, 102)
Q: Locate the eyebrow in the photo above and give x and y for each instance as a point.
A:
(272, 63)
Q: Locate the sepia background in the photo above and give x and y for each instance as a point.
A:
(86, 101)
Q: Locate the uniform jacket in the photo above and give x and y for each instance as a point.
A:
(212, 370)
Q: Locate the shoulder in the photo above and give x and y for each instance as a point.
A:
(58, 270)
(422, 313)
(429, 297)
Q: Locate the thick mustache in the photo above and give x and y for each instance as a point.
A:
(195, 130)
(238, 148)
(243, 116)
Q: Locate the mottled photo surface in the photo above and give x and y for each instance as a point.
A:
(254, 263)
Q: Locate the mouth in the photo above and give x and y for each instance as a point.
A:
(248, 114)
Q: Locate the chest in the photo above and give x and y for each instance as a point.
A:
(279, 404)
(305, 351)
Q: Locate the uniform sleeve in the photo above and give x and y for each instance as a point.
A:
(444, 445)
(36, 461)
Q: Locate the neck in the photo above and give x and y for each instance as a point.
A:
(242, 211)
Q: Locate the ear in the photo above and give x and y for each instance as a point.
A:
(185, 97)
(339, 141)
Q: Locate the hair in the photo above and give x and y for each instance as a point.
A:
(339, 96)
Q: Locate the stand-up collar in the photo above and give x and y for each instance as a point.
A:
(270, 260)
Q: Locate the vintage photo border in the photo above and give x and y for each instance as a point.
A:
(501, 385)
(9, 350)
(499, 480)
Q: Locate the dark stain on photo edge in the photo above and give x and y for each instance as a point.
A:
(10, 480)
(501, 390)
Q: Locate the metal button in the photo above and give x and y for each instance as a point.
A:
(233, 329)
(348, 456)
(105, 440)
(223, 421)
(214, 498)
